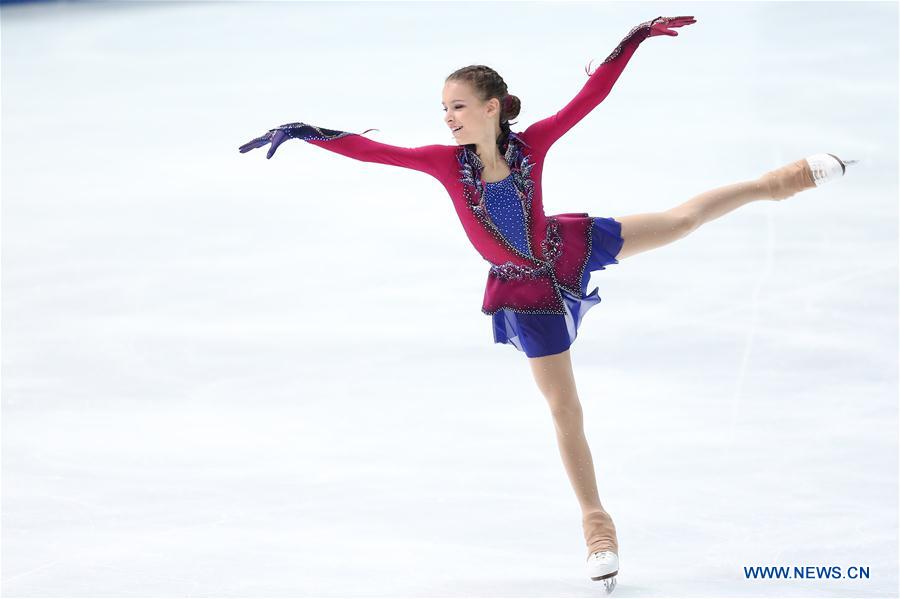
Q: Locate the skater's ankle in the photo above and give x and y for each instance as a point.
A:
(763, 188)
(594, 509)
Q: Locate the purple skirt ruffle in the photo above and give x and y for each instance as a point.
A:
(546, 334)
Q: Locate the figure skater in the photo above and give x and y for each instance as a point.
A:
(536, 290)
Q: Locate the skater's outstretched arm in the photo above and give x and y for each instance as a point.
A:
(542, 134)
(424, 158)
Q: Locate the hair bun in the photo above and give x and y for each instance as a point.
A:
(511, 107)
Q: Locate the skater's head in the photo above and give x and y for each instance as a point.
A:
(475, 98)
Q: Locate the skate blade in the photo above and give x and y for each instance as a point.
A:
(609, 582)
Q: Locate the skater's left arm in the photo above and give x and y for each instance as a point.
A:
(542, 134)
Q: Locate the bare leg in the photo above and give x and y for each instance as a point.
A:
(556, 381)
(650, 230)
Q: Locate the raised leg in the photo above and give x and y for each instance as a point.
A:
(556, 382)
(650, 230)
(643, 232)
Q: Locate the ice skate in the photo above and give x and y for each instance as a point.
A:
(603, 548)
(813, 171)
(604, 565)
(827, 167)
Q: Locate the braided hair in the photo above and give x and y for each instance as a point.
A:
(488, 84)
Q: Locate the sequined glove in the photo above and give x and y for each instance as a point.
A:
(274, 136)
(661, 25)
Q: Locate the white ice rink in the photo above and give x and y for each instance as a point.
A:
(230, 376)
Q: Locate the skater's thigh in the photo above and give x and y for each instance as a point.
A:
(650, 230)
(554, 377)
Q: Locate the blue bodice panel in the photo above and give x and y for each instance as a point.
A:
(505, 209)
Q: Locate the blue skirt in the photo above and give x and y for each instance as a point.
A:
(545, 334)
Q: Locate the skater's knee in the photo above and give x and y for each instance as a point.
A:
(565, 409)
(683, 221)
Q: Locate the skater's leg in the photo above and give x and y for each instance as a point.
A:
(556, 382)
(651, 230)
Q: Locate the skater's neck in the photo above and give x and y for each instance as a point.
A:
(491, 158)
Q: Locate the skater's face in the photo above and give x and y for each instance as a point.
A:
(478, 120)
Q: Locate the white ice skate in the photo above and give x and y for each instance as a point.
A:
(807, 173)
(603, 566)
(827, 167)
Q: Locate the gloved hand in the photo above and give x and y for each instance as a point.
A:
(661, 25)
(274, 136)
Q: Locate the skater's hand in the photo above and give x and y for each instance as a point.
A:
(273, 136)
(661, 25)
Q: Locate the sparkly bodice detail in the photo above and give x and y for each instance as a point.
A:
(505, 209)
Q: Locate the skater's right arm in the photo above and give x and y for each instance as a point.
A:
(427, 159)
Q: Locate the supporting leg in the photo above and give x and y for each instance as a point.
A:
(556, 381)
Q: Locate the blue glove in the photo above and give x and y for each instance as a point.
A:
(274, 136)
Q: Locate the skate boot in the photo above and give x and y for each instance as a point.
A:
(827, 167)
(813, 171)
(603, 548)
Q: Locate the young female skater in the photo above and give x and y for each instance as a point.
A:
(536, 289)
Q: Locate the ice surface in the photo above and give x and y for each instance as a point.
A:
(231, 376)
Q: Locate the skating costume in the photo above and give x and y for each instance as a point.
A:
(545, 334)
(536, 290)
